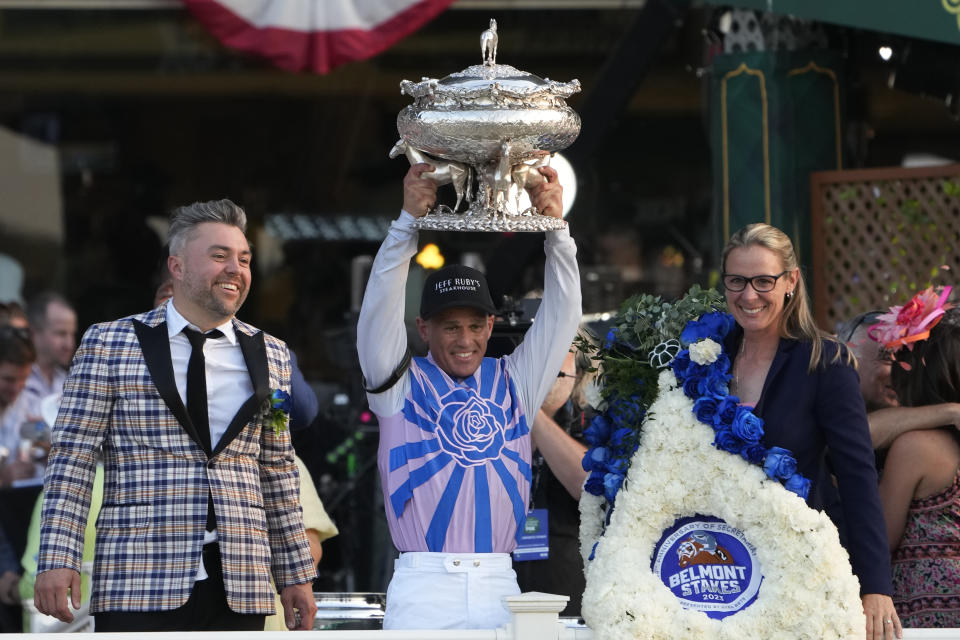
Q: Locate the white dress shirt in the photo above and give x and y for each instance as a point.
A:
(228, 381)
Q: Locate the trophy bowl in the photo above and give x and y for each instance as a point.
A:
(486, 130)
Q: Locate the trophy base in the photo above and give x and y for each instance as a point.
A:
(500, 223)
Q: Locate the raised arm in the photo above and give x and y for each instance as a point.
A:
(381, 334)
(535, 362)
(887, 424)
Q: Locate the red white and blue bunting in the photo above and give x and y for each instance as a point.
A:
(313, 35)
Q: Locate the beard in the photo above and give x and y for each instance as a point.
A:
(202, 294)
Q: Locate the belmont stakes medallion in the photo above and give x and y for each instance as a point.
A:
(708, 565)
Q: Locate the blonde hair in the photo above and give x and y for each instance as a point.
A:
(796, 320)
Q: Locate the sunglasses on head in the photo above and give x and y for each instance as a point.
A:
(865, 319)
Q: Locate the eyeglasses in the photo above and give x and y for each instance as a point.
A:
(760, 284)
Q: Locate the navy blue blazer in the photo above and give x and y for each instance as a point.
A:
(811, 414)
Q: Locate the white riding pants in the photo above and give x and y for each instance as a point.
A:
(432, 590)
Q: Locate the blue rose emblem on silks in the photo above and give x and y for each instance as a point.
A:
(471, 429)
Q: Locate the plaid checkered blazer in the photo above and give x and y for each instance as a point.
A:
(121, 396)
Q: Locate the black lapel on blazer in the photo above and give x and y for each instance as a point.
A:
(255, 355)
(155, 344)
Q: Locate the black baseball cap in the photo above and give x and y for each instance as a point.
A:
(455, 286)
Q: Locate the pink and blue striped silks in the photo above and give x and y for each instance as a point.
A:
(455, 462)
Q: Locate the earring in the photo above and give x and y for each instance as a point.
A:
(789, 295)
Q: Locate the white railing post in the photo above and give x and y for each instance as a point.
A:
(535, 615)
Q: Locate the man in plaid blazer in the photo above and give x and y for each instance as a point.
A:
(195, 516)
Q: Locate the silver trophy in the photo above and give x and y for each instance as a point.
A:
(486, 130)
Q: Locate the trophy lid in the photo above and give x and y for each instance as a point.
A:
(482, 76)
(489, 81)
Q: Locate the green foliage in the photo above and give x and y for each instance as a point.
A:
(951, 187)
(643, 322)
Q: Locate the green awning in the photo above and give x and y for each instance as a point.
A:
(927, 19)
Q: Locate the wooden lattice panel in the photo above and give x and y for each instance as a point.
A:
(880, 235)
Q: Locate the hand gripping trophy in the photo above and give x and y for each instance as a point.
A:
(485, 130)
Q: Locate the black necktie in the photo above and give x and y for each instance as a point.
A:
(197, 384)
(197, 399)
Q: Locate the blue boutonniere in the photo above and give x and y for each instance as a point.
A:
(276, 410)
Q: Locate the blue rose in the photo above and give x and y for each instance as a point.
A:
(726, 440)
(753, 452)
(691, 387)
(779, 464)
(625, 412)
(611, 485)
(681, 365)
(705, 408)
(693, 332)
(620, 436)
(721, 364)
(617, 466)
(470, 428)
(281, 400)
(714, 384)
(594, 483)
(726, 411)
(720, 322)
(747, 426)
(714, 325)
(596, 459)
(798, 484)
(598, 431)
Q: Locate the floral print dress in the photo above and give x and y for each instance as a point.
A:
(926, 566)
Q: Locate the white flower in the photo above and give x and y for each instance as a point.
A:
(592, 393)
(705, 351)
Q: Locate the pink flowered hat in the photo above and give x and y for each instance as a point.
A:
(912, 322)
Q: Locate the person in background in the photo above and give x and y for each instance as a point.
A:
(558, 478)
(17, 355)
(200, 484)
(53, 323)
(455, 452)
(888, 419)
(803, 385)
(920, 486)
(11, 313)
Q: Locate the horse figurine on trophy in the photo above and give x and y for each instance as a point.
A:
(488, 44)
(444, 172)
